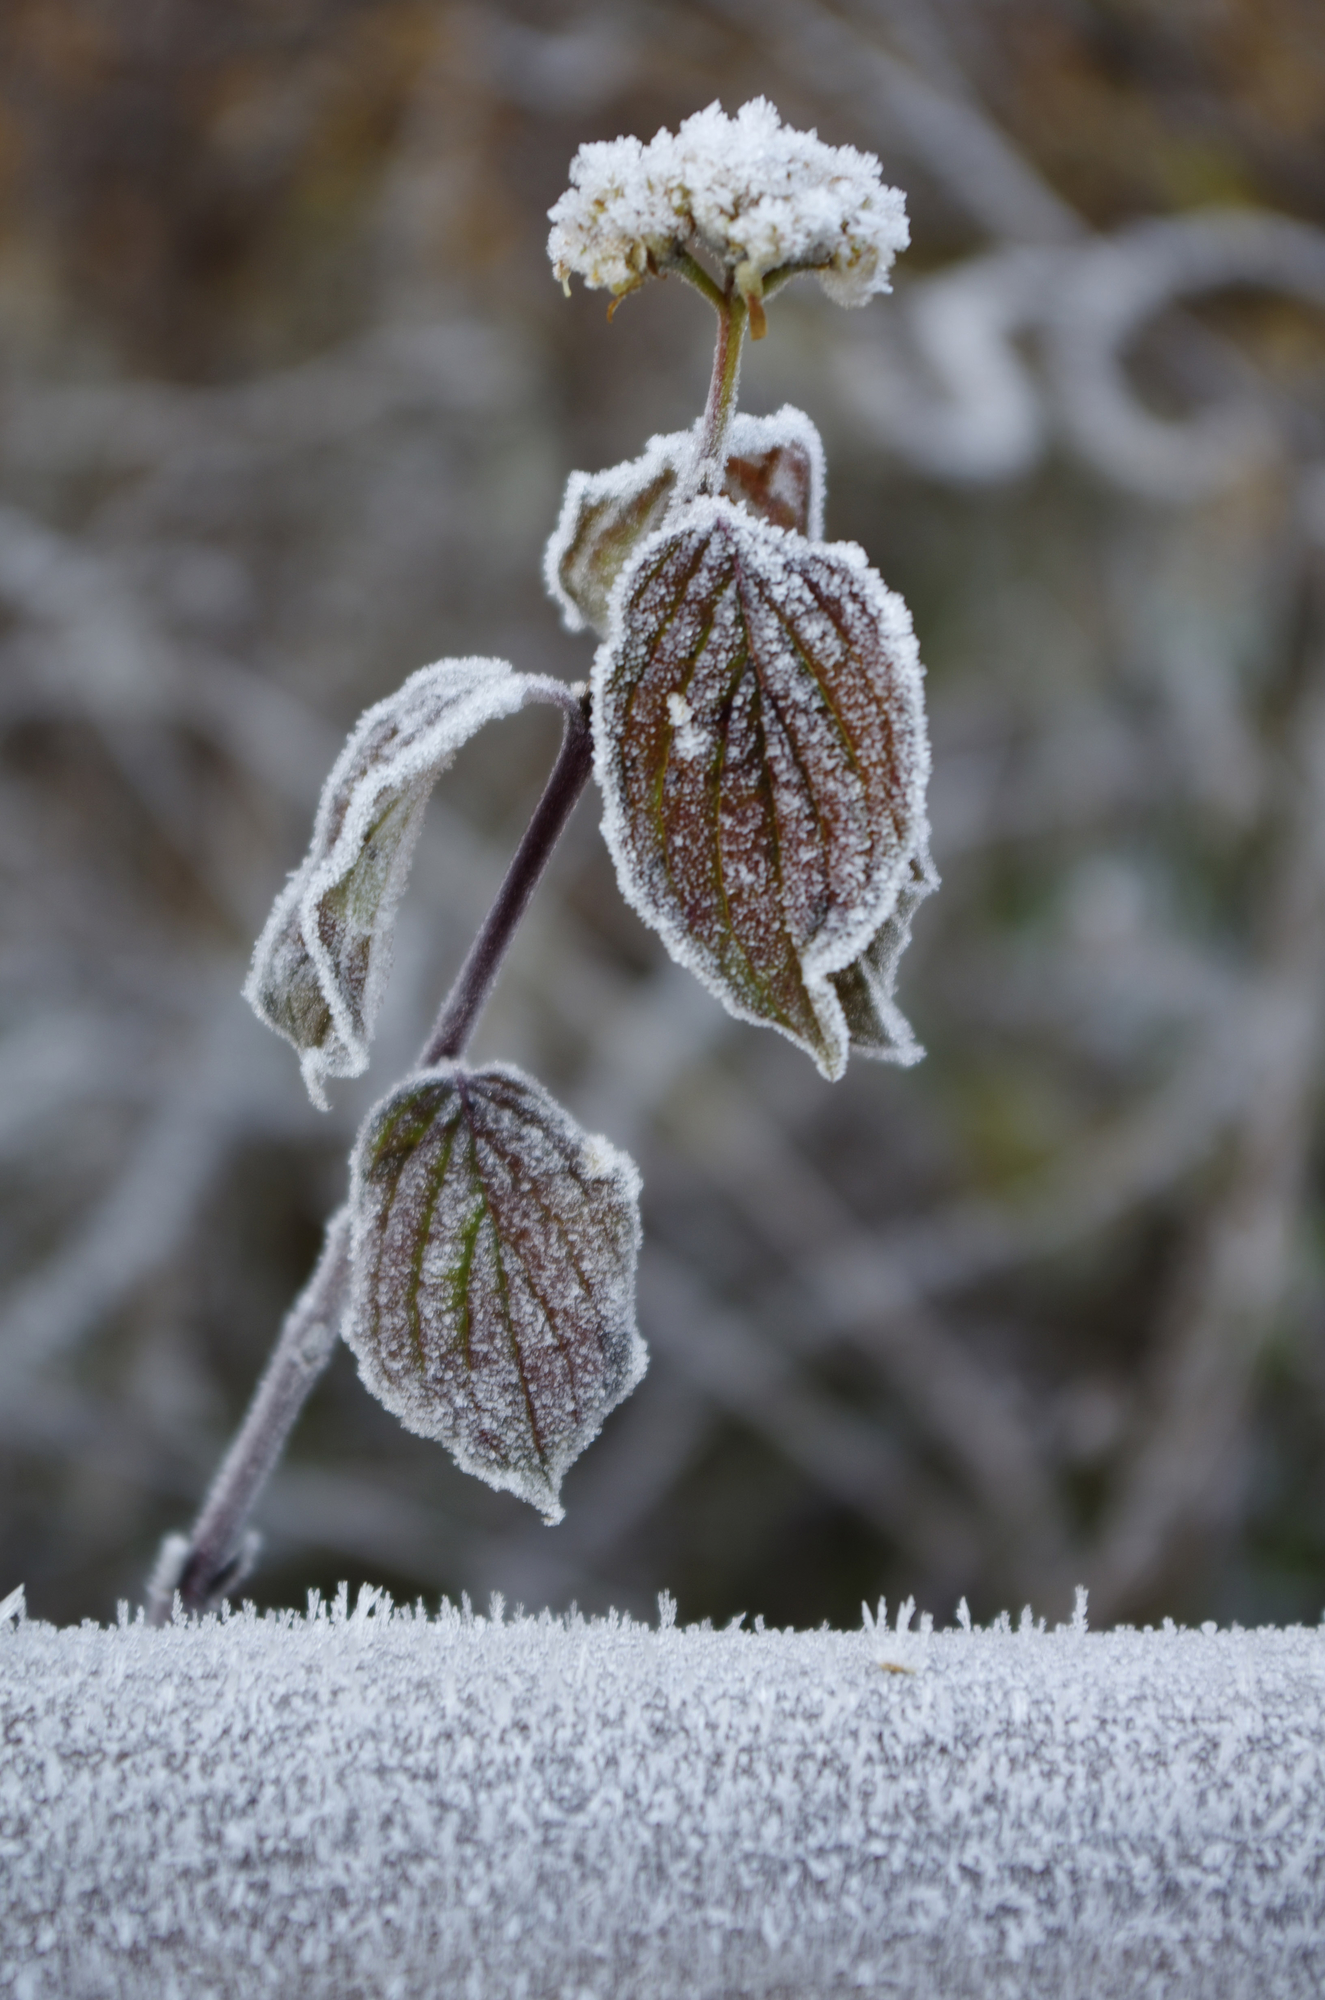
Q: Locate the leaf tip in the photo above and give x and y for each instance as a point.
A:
(535, 1481)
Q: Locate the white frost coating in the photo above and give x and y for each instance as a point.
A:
(775, 566)
(321, 964)
(755, 194)
(791, 437)
(368, 1803)
(775, 468)
(494, 1251)
(690, 741)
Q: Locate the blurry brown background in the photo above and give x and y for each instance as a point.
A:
(287, 400)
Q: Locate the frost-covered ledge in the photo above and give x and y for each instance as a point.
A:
(377, 1803)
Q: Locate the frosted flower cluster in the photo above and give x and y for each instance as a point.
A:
(754, 193)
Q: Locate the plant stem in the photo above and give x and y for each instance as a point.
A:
(721, 405)
(218, 1553)
(215, 1558)
(474, 981)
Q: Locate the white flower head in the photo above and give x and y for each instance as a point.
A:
(752, 192)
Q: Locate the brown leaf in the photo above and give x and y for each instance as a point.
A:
(779, 481)
(493, 1294)
(761, 748)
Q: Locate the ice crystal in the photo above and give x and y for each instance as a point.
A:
(755, 194)
(493, 1300)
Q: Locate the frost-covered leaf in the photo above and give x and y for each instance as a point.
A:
(761, 748)
(493, 1302)
(775, 469)
(865, 989)
(320, 967)
(604, 516)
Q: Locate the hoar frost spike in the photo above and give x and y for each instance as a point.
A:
(756, 723)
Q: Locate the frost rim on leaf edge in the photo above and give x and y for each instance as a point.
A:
(817, 965)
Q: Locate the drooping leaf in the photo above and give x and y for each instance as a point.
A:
(775, 470)
(494, 1257)
(321, 964)
(865, 989)
(761, 747)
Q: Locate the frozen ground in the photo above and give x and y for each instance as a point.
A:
(373, 1802)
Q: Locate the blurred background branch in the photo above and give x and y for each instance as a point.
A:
(287, 398)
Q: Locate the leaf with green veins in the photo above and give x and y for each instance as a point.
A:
(493, 1292)
(320, 967)
(775, 470)
(760, 744)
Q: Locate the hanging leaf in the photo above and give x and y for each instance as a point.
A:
(321, 965)
(494, 1273)
(761, 748)
(775, 470)
(875, 1023)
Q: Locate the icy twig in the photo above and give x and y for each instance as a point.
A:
(939, 122)
(965, 1404)
(154, 1198)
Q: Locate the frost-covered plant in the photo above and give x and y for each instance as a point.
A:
(755, 723)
